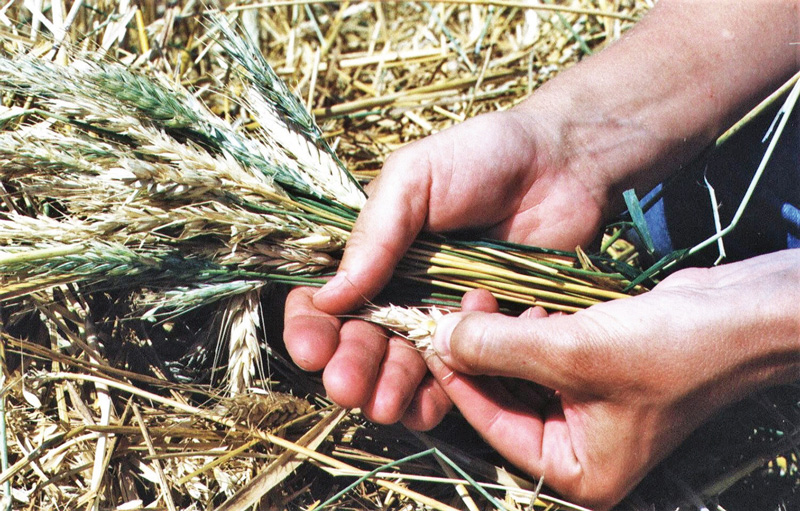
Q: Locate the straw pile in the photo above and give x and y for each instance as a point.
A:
(160, 182)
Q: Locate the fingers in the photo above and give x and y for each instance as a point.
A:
(390, 221)
(532, 394)
(522, 420)
(360, 369)
(479, 300)
(401, 372)
(430, 402)
(532, 436)
(428, 407)
(533, 313)
(388, 380)
(311, 336)
(351, 374)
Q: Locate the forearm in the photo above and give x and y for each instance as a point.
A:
(645, 106)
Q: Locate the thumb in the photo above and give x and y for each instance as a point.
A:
(391, 219)
(540, 349)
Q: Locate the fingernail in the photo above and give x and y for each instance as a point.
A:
(441, 336)
(335, 283)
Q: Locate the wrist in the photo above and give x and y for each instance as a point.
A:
(646, 106)
(745, 325)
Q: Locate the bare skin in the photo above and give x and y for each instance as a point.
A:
(631, 376)
(634, 376)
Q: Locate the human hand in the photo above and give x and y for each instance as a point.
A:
(630, 379)
(498, 173)
(543, 172)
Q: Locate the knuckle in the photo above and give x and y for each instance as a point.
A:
(400, 160)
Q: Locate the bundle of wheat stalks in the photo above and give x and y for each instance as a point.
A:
(115, 180)
(121, 180)
(140, 224)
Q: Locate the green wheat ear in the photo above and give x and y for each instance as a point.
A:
(285, 121)
(261, 75)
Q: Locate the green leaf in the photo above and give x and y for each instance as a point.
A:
(639, 222)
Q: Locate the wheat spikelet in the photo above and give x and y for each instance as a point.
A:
(180, 299)
(37, 150)
(324, 173)
(25, 270)
(194, 172)
(257, 409)
(20, 232)
(417, 324)
(242, 320)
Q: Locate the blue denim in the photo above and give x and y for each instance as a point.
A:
(683, 216)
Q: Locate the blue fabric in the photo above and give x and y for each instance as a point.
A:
(683, 217)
